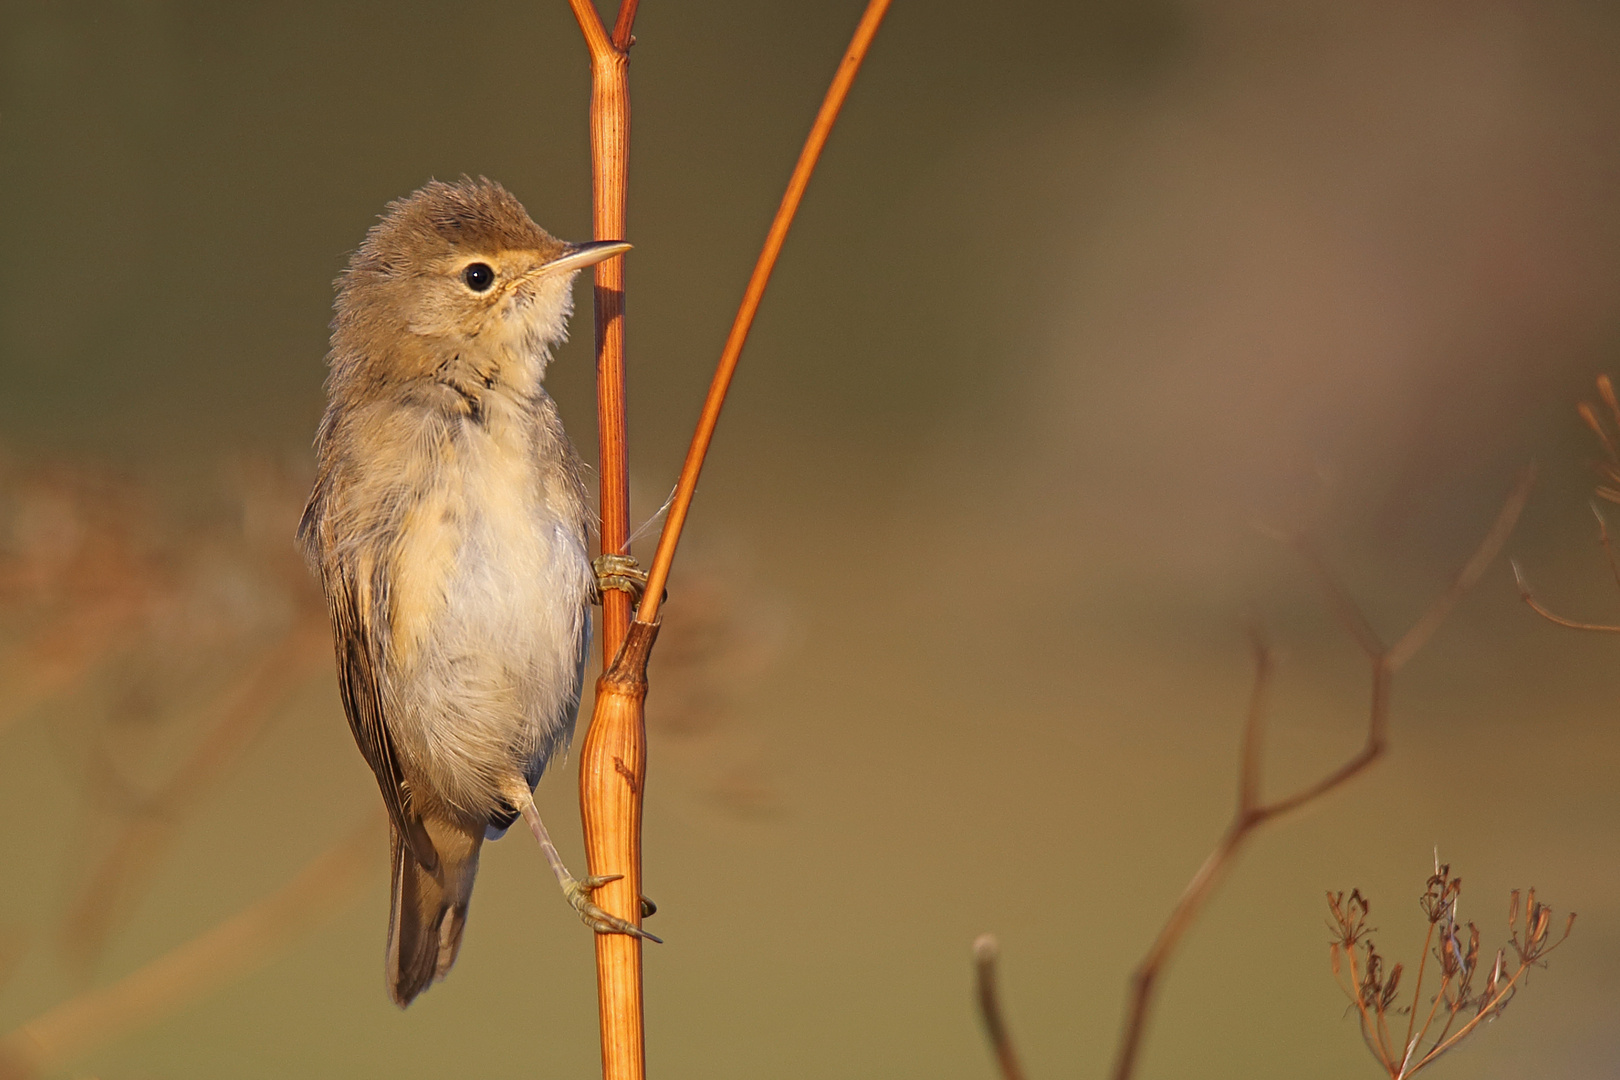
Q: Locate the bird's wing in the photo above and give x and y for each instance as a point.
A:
(348, 591)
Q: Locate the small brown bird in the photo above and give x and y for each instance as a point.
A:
(448, 525)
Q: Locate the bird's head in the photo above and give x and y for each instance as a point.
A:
(457, 278)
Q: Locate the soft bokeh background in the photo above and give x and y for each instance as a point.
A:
(1083, 290)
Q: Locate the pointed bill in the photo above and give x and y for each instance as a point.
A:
(579, 256)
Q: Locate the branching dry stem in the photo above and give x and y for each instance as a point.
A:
(613, 756)
(1252, 811)
(1376, 995)
(820, 129)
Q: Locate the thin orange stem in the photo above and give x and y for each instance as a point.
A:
(1384, 1038)
(613, 758)
(1145, 978)
(1452, 1009)
(658, 576)
(624, 24)
(1417, 995)
(1536, 606)
(590, 24)
(1367, 1025)
(1478, 1019)
(1420, 632)
(610, 151)
(1423, 1033)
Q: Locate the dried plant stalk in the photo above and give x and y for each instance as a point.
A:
(843, 79)
(1376, 995)
(1608, 489)
(986, 950)
(1252, 811)
(613, 757)
(189, 971)
(612, 760)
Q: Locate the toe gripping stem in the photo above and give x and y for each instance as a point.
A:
(578, 894)
(620, 572)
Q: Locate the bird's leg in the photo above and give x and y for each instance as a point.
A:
(576, 891)
(620, 572)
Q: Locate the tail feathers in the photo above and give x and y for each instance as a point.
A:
(429, 909)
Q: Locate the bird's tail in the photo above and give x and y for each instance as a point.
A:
(429, 908)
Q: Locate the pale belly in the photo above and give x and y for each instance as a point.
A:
(489, 602)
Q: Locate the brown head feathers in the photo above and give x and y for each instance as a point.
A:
(440, 219)
(452, 282)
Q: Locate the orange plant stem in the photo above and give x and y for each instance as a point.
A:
(658, 576)
(613, 758)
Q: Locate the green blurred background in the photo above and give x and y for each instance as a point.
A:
(1081, 292)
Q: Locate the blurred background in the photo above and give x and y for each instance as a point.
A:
(1083, 290)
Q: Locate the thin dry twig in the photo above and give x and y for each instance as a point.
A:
(1553, 617)
(1251, 811)
(1608, 489)
(658, 575)
(183, 974)
(985, 952)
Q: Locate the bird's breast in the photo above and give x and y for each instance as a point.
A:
(484, 561)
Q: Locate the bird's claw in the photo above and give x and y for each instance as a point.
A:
(578, 893)
(620, 572)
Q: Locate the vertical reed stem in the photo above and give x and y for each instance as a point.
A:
(613, 760)
(613, 757)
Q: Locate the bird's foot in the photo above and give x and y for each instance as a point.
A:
(578, 892)
(620, 572)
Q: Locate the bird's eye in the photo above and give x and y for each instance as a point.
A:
(478, 276)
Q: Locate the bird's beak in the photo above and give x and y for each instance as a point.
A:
(579, 256)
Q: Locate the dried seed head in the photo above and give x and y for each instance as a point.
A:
(1458, 957)
(1387, 997)
(1348, 917)
(1439, 899)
